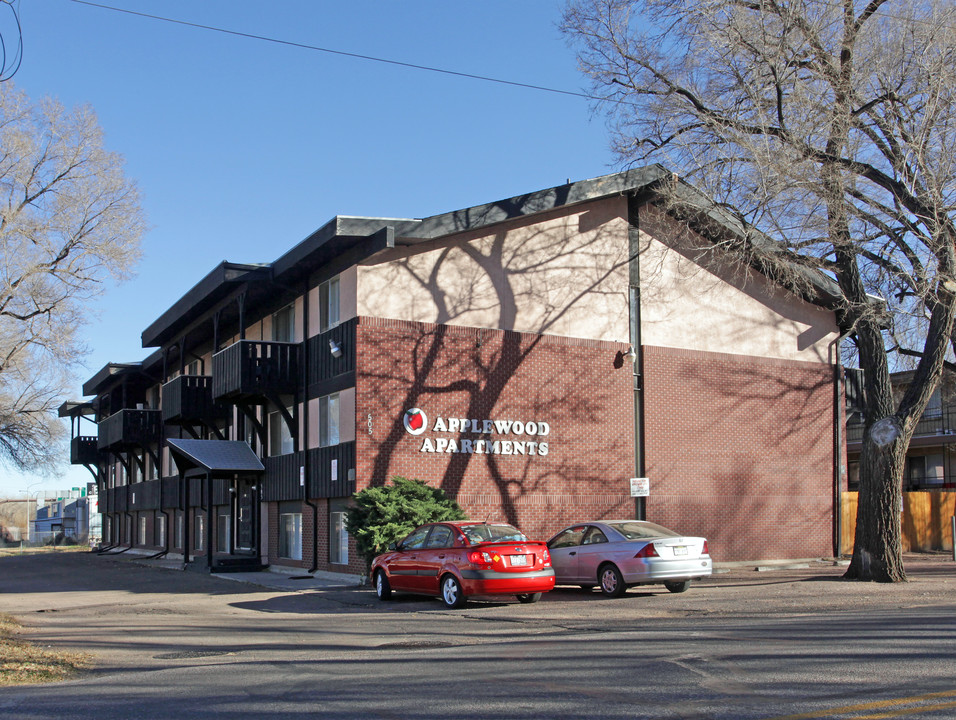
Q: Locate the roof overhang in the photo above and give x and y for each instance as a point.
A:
(217, 458)
(212, 289)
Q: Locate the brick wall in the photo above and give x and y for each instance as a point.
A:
(740, 450)
(580, 388)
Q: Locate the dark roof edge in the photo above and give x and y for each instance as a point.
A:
(225, 273)
(112, 371)
(628, 181)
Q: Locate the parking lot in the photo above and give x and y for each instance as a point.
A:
(742, 644)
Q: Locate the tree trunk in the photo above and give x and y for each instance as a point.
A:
(877, 554)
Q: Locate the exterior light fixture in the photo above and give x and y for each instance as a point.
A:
(335, 348)
(631, 353)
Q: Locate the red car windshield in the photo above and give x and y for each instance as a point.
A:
(492, 533)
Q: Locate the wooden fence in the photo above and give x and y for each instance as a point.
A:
(926, 522)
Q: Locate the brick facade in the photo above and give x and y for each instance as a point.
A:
(740, 450)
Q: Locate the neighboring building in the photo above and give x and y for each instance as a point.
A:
(931, 456)
(63, 517)
(529, 356)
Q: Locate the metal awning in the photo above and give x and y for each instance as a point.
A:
(214, 457)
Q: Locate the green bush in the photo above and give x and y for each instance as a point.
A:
(386, 514)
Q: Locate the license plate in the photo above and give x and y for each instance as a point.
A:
(680, 549)
(517, 560)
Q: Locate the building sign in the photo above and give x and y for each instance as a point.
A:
(640, 487)
(494, 437)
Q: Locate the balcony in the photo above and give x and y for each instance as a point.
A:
(937, 429)
(84, 450)
(130, 428)
(187, 400)
(251, 371)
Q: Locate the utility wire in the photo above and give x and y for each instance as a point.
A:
(330, 51)
(5, 73)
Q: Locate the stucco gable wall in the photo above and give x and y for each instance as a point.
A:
(565, 273)
(690, 300)
(561, 273)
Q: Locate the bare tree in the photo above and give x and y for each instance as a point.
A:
(69, 222)
(825, 129)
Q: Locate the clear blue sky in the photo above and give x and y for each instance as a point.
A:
(242, 147)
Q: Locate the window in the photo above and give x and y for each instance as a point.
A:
(160, 530)
(179, 529)
(142, 531)
(290, 536)
(338, 535)
(283, 324)
(329, 420)
(280, 439)
(416, 540)
(934, 409)
(328, 304)
(199, 542)
(441, 537)
(222, 531)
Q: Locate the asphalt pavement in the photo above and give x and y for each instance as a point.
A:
(753, 641)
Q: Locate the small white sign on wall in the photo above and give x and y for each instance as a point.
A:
(335, 469)
(640, 487)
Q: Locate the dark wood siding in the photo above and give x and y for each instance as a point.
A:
(144, 495)
(252, 370)
(281, 480)
(84, 450)
(323, 366)
(130, 428)
(188, 398)
(321, 482)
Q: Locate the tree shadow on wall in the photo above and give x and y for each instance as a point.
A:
(556, 272)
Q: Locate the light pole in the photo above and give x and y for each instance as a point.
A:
(31, 495)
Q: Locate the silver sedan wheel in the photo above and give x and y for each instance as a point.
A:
(612, 582)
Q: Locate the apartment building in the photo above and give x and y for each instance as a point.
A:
(529, 356)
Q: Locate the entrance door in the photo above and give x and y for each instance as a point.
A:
(245, 515)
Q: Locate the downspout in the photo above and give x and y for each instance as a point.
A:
(305, 429)
(634, 303)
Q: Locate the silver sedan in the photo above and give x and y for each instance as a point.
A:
(616, 554)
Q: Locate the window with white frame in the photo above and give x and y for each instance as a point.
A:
(329, 420)
(280, 439)
(290, 535)
(160, 530)
(223, 522)
(338, 535)
(199, 543)
(283, 324)
(179, 528)
(142, 530)
(328, 304)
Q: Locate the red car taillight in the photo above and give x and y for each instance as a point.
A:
(546, 558)
(648, 551)
(480, 559)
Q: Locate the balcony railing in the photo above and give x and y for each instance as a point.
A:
(251, 370)
(942, 424)
(130, 428)
(84, 450)
(188, 399)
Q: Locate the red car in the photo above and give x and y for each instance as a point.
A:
(456, 559)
